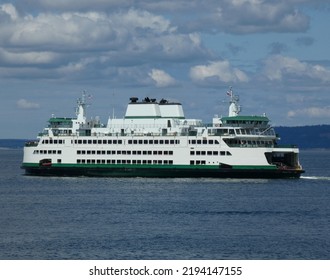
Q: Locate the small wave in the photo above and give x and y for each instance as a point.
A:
(315, 178)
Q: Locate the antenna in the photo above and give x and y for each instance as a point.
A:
(234, 107)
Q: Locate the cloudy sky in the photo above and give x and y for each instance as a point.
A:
(275, 54)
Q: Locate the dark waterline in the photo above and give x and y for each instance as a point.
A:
(113, 218)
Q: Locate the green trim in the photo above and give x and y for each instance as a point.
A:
(151, 166)
(251, 167)
(68, 120)
(245, 118)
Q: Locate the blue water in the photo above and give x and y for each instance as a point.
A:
(114, 218)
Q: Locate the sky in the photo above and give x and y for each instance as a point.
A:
(274, 53)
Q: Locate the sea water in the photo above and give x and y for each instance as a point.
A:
(138, 218)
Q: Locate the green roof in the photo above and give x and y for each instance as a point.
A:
(245, 118)
(52, 120)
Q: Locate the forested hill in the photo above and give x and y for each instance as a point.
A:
(305, 137)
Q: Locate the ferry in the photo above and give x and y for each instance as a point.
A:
(155, 139)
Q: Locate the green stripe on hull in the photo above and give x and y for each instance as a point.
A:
(132, 170)
(149, 166)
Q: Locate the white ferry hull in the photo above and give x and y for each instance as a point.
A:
(155, 140)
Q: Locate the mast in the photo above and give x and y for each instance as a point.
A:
(81, 107)
(234, 107)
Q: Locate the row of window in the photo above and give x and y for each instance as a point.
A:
(122, 152)
(99, 141)
(52, 141)
(204, 142)
(131, 141)
(122, 161)
(44, 152)
(197, 162)
(155, 142)
(248, 143)
(210, 153)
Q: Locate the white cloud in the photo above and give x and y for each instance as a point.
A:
(66, 43)
(10, 10)
(278, 67)
(219, 71)
(25, 104)
(312, 112)
(26, 58)
(161, 78)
